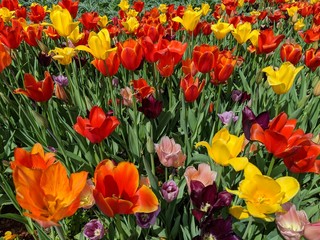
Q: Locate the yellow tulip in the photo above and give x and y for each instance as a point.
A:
(240, 3)
(6, 14)
(205, 8)
(99, 44)
(299, 25)
(189, 20)
(225, 148)
(262, 194)
(75, 36)
(62, 21)
(103, 21)
(63, 55)
(282, 79)
(163, 8)
(243, 32)
(132, 13)
(221, 29)
(292, 10)
(163, 18)
(124, 5)
(254, 37)
(131, 25)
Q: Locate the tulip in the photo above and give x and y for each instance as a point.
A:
(72, 7)
(165, 65)
(151, 107)
(188, 67)
(146, 220)
(5, 14)
(61, 80)
(109, 66)
(204, 174)
(204, 57)
(223, 68)
(86, 196)
(312, 59)
(225, 148)
(48, 195)
(94, 230)
(189, 20)
(131, 24)
(169, 191)
(238, 96)
(227, 117)
(170, 153)
(99, 44)
(11, 35)
(117, 190)
(299, 25)
(5, 58)
(312, 231)
(35, 159)
(267, 41)
(248, 119)
(98, 127)
(311, 35)
(126, 94)
(90, 20)
(242, 33)
(130, 53)
(282, 80)
(63, 55)
(62, 21)
(124, 5)
(37, 13)
(38, 91)
(191, 87)
(262, 194)
(142, 89)
(76, 36)
(221, 29)
(32, 34)
(291, 53)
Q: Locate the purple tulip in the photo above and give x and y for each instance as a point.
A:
(145, 220)
(219, 229)
(169, 191)
(94, 230)
(227, 117)
(61, 80)
(151, 107)
(239, 96)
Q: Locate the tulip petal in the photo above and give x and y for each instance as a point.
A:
(102, 204)
(220, 153)
(126, 176)
(250, 171)
(238, 163)
(239, 212)
(147, 201)
(290, 186)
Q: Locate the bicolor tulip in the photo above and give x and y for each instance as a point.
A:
(262, 194)
(290, 52)
(48, 195)
(225, 148)
(98, 127)
(99, 44)
(281, 80)
(5, 58)
(130, 53)
(117, 190)
(221, 29)
(204, 57)
(62, 21)
(40, 91)
(35, 159)
(191, 87)
(109, 66)
(312, 59)
(189, 20)
(267, 41)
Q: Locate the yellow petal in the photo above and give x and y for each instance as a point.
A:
(290, 186)
(220, 153)
(238, 163)
(239, 212)
(250, 171)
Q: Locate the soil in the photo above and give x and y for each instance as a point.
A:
(10, 225)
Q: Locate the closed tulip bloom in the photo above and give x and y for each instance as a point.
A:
(98, 127)
(62, 21)
(151, 107)
(126, 94)
(37, 12)
(48, 195)
(188, 67)
(312, 59)
(290, 52)
(223, 68)
(221, 29)
(40, 91)
(204, 57)
(169, 191)
(5, 58)
(312, 231)
(225, 148)
(94, 230)
(191, 87)
(282, 80)
(109, 66)
(99, 44)
(262, 194)
(35, 159)
(189, 20)
(170, 153)
(117, 190)
(130, 53)
(243, 32)
(76, 36)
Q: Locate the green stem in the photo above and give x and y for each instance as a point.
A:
(271, 166)
(248, 228)
(59, 232)
(218, 99)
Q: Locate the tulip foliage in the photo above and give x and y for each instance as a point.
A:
(142, 120)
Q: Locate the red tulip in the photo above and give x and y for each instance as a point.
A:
(71, 6)
(312, 59)
(117, 190)
(142, 89)
(191, 87)
(166, 65)
(5, 58)
(11, 35)
(90, 20)
(108, 67)
(98, 127)
(37, 13)
(188, 67)
(291, 52)
(267, 41)
(130, 53)
(311, 35)
(204, 57)
(223, 68)
(38, 91)
(32, 34)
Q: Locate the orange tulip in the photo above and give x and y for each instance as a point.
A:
(130, 53)
(290, 52)
(191, 87)
(48, 195)
(32, 34)
(108, 67)
(117, 190)
(35, 159)
(204, 57)
(5, 58)
(98, 127)
(267, 41)
(311, 35)
(188, 67)
(142, 89)
(223, 68)
(38, 91)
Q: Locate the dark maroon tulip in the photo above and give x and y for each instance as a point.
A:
(151, 107)
(219, 229)
(248, 119)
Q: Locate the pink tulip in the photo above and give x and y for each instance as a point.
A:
(312, 231)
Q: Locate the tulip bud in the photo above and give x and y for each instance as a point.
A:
(169, 191)
(316, 89)
(150, 145)
(94, 230)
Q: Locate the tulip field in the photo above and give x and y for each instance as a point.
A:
(146, 120)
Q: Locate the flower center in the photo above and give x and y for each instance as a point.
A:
(97, 232)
